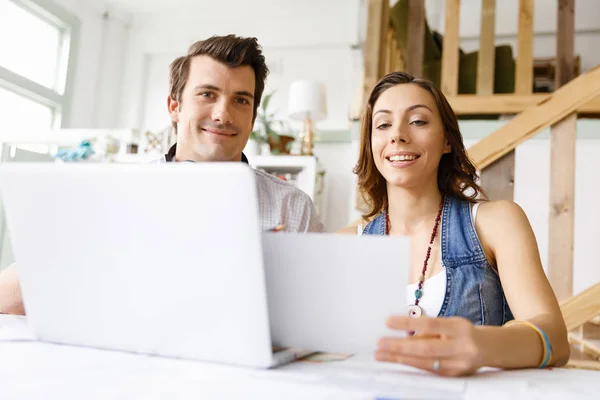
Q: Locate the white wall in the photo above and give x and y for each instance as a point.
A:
(587, 26)
(98, 66)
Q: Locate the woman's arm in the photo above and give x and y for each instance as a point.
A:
(454, 346)
(504, 230)
(11, 301)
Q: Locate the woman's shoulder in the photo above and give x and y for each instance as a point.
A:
(495, 220)
(496, 209)
(501, 216)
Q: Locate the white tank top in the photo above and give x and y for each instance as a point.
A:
(434, 288)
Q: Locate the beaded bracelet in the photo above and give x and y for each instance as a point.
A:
(547, 356)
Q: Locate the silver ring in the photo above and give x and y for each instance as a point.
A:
(436, 365)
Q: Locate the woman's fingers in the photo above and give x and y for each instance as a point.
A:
(446, 346)
(430, 326)
(426, 346)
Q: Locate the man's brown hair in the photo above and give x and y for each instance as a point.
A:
(231, 50)
(456, 173)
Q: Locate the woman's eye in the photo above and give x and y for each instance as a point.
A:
(383, 126)
(418, 122)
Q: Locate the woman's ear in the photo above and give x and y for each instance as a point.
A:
(447, 146)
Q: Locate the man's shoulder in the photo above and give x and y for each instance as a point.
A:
(287, 204)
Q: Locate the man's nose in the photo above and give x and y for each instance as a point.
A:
(221, 113)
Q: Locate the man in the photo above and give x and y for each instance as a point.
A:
(215, 91)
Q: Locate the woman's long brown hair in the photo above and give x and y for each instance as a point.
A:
(456, 173)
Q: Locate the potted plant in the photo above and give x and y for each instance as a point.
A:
(278, 143)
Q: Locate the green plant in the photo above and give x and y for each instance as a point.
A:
(258, 137)
(268, 124)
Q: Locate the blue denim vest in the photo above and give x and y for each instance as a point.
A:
(473, 289)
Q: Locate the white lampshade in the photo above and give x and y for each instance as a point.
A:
(307, 99)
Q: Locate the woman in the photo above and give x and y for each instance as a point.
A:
(473, 261)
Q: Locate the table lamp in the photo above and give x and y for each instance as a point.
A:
(307, 103)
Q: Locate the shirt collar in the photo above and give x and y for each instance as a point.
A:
(170, 156)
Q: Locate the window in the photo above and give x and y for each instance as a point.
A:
(36, 39)
(25, 114)
(35, 54)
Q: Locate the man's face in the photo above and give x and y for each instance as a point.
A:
(214, 116)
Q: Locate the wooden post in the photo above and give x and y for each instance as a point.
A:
(524, 63)
(383, 38)
(374, 59)
(374, 56)
(399, 64)
(487, 52)
(449, 81)
(498, 180)
(562, 165)
(565, 42)
(390, 52)
(416, 34)
(394, 60)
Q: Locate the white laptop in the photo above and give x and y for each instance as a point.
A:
(167, 259)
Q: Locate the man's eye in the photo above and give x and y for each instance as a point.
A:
(208, 95)
(241, 100)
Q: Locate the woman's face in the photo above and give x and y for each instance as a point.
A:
(407, 136)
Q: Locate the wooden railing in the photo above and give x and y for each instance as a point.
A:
(383, 54)
(495, 155)
(553, 109)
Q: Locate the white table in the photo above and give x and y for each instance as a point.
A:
(34, 370)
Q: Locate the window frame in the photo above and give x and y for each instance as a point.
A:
(58, 100)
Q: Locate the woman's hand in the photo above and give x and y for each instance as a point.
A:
(445, 346)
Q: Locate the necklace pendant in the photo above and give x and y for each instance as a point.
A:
(414, 311)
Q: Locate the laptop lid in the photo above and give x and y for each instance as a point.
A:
(158, 259)
(333, 293)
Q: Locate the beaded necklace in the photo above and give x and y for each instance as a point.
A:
(414, 310)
